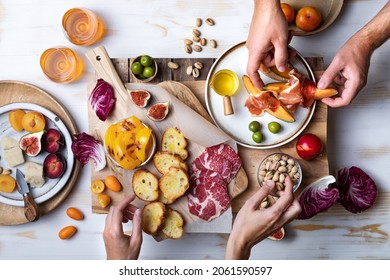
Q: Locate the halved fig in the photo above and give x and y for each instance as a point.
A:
(140, 97)
(158, 111)
(275, 74)
(52, 140)
(278, 235)
(31, 143)
(54, 166)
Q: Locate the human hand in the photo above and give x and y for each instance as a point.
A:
(120, 246)
(348, 72)
(253, 224)
(268, 39)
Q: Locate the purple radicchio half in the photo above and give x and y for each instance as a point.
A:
(102, 99)
(357, 190)
(86, 147)
(317, 197)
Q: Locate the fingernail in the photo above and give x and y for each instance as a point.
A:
(282, 68)
(320, 85)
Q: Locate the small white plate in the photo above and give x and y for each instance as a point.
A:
(51, 186)
(236, 125)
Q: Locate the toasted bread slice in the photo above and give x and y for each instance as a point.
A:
(145, 185)
(174, 184)
(163, 160)
(165, 200)
(173, 141)
(173, 224)
(153, 215)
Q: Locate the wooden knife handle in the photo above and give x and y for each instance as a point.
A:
(31, 210)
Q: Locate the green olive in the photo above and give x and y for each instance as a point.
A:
(146, 60)
(257, 137)
(254, 126)
(137, 68)
(148, 72)
(274, 127)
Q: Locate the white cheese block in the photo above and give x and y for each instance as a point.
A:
(34, 174)
(8, 143)
(13, 156)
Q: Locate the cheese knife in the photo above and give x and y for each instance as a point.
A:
(31, 210)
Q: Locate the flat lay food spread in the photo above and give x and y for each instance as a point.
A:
(190, 166)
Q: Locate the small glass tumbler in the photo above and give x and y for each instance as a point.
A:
(82, 27)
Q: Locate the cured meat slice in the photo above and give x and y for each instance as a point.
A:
(229, 153)
(210, 173)
(215, 162)
(208, 197)
(258, 103)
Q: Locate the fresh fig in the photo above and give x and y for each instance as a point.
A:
(278, 235)
(54, 166)
(31, 143)
(158, 111)
(140, 97)
(52, 140)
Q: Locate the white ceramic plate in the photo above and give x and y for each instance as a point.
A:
(236, 125)
(51, 186)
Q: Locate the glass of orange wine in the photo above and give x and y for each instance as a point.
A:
(61, 64)
(82, 27)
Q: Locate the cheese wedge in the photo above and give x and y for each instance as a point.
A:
(34, 174)
(12, 154)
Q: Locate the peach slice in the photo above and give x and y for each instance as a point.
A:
(15, 118)
(34, 121)
(7, 183)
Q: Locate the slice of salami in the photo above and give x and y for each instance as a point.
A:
(208, 197)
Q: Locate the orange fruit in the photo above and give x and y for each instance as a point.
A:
(103, 200)
(112, 183)
(97, 186)
(288, 11)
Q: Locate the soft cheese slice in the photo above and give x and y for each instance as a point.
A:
(34, 174)
(12, 154)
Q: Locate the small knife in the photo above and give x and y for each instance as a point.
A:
(31, 210)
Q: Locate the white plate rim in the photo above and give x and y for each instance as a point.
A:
(241, 143)
(70, 160)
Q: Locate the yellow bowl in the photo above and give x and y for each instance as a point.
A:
(149, 152)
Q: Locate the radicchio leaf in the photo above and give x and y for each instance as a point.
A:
(357, 190)
(86, 147)
(317, 197)
(102, 99)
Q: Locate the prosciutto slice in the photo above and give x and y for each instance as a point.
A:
(258, 103)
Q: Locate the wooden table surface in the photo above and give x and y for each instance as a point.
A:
(357, 135)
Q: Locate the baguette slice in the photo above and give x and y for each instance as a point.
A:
(153, 215)
(165, 200)
(174, 184)
(145, 185)
(173, 141)
(164, 160)
(173, 224)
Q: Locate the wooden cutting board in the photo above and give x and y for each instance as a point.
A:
(251, 158)
(16, 91)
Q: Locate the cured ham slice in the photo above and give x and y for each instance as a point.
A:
(260, 102)
(210, 173)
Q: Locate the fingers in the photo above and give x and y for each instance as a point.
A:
(281, 56)
(255, 201)
(117, 212)
(136, 237)
(329, 75)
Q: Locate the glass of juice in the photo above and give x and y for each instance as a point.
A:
(61, 64)
(82, 27)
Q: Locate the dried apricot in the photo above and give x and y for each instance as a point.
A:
(15, 118)
(97, 186)
(74, 213)
(67, 232)
(103, 200)
(113, 183)
(7, 183)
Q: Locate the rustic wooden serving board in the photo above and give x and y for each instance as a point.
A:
(251, 158)
(15, 91)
